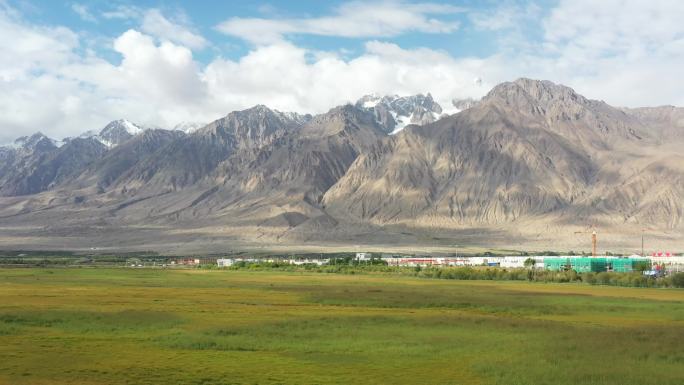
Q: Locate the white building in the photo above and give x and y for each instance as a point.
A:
(510, 262)
(364, 256)
(426, 261)
(307, 261)
(225, 262)
(485, 261)
(412, 261)
(673, 264)
(516, 261)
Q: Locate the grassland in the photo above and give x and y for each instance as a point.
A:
(140, 326)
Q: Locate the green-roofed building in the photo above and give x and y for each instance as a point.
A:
(628, 265)
(579, 264)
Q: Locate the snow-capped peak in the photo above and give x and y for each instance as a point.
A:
(369, 101)
(131, 128)
(126, 125)
(115, 132)
(394, 112)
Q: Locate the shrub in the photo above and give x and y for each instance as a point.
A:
(677, 280)
(602, 278)
(590, 278)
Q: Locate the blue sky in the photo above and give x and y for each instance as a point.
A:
(72, 66)
(466, 39)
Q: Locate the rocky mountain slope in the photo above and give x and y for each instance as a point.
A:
(527, 149)
(37, 164)
(528, 165)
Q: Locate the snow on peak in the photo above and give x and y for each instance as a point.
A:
(115, 132)
(131, 127)
(369, 101)
(394, 112)
(122, 125)
(188, 127)
(294, 116)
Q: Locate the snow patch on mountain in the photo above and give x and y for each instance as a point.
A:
(401, 123)
(369, 101)
(294, 116)
(188, 127)
(394, 112)
(130, 127)
(115, 132)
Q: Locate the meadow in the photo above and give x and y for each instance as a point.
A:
(147, 326)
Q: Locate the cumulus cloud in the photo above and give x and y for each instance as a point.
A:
(26, 48)
(281, 76)
(153, 21)
(47, 84)
(165, 73)
(353, 19)
(156, 24)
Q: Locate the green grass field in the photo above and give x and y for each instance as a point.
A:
(125, 326)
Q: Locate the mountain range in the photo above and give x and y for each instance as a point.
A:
(531, 165)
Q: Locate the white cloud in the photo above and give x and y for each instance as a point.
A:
(83, 12)
(280, 76)
(27, 48)
(353, 19)
(156, 24)
(176, 29)
(614, 26)
(506, 16)
(626, 52)
(164, 73)
(122, 12)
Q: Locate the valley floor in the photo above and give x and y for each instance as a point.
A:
(125, 326)
(229, 240)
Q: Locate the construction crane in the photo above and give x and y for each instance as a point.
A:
(594, 240)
